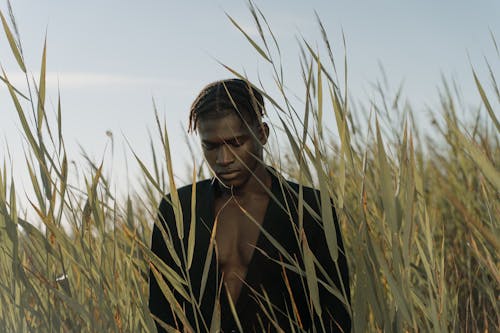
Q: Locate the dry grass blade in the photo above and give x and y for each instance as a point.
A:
(22, 117)
(208, 260)
(324, 36)
(233, 309)
(15, 89)
(176, 307)
(312, 279)
(495, 42)
(215, 325)
(41, 89)
(401, 303)
(386, 182)
(481, 159)
(486, 102)
(326, 209)
(298, 153)
(253, 11)
(493, 81)
(319, 91)
(59, 121)
(12, 43)
(254, 44)
(176, 204)
(192, 227)
(168, 272)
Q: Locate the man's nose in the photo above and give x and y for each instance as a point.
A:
(224, 155)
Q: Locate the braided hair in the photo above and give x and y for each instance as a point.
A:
(223, 97)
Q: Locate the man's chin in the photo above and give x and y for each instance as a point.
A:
(234, 183)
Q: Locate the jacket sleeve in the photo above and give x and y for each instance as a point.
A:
(334, 314)
(158, 304)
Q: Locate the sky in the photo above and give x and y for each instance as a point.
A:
(110, 59)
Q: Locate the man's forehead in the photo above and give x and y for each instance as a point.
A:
(224, 134)
(226, 127)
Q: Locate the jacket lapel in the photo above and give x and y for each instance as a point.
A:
(204, 225)
(276, 226)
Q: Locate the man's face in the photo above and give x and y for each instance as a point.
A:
(232, 149)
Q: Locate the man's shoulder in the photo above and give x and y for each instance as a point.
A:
(305, 188)
(309, 193)
(185, 192)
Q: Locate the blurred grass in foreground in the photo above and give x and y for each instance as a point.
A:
(420, 219)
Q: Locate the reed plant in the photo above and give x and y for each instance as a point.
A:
(420, 217)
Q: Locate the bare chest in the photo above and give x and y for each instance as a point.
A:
(238, 230)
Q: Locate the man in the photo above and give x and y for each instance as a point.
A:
(254, 279)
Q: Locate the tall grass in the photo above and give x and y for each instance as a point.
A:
(420, 219)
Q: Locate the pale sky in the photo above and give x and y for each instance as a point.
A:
(112, 57)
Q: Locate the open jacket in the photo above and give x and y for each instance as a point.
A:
(266, 277)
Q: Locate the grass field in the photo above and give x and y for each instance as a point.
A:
(420, 217)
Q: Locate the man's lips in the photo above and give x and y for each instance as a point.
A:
(228, 174)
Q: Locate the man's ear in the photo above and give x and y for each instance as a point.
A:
(263, 133)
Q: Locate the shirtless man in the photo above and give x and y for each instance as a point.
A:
(243, 198)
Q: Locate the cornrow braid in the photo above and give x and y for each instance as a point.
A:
(222, 97)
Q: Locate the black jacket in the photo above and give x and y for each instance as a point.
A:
(263, 271)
